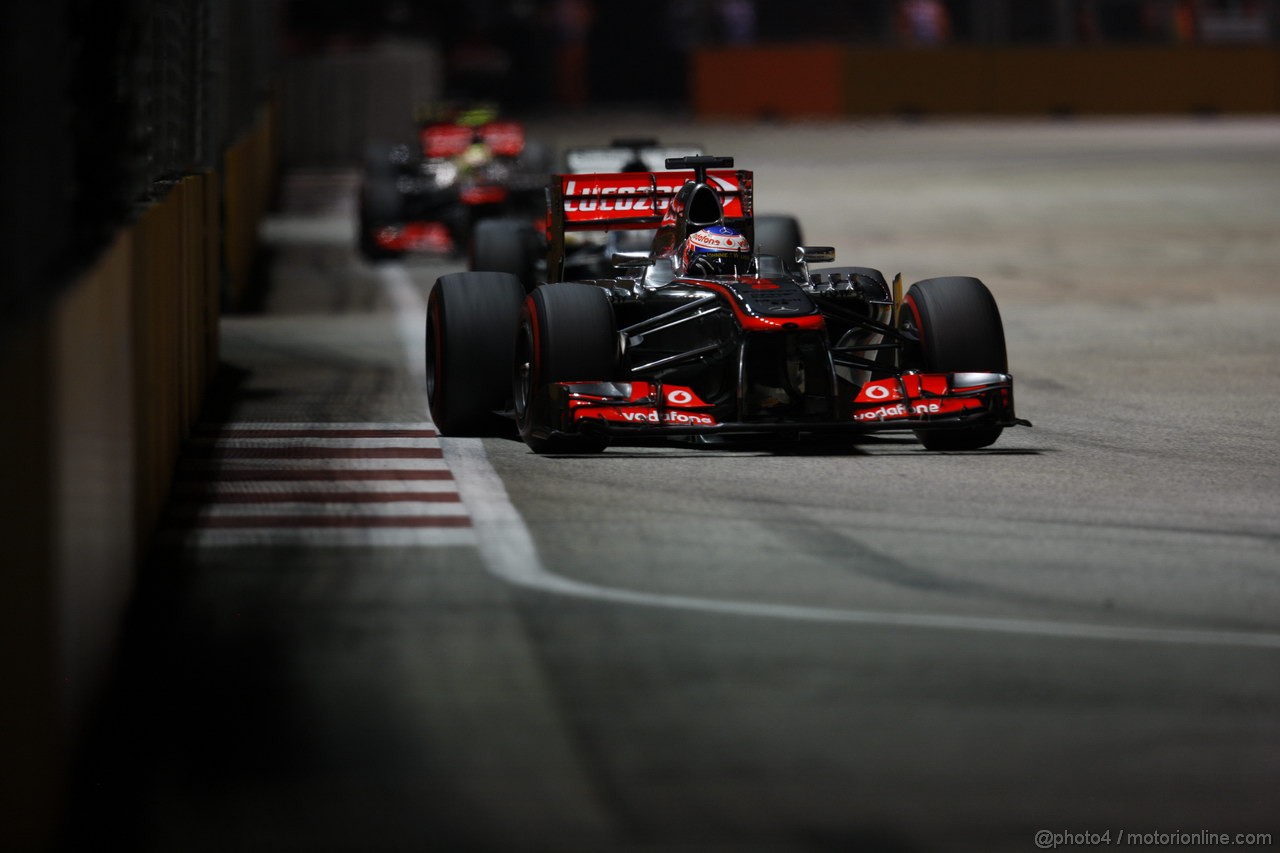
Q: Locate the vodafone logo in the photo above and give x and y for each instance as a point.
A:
(679, 398)
(708, 239)
(878, 392)
(898, 411)
(690, 418)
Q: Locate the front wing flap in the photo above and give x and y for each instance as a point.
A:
(910, 401)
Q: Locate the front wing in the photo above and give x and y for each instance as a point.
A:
(910, 401)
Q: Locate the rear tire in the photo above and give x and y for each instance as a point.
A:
(536, 157)
(471, 325)
(380, 205)
(567, 333)
(959, 330)
(505, 245)
(779, 236)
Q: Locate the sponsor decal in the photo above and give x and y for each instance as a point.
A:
(679, 397)
(639, 415)
(506, 138)
(621, 193)
(897, 411)
(634, 198)
(446, 140)
(917, 385)
(924, 407)
(709, 239)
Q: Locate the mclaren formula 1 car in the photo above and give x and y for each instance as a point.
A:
(708, 336)
(466, 166)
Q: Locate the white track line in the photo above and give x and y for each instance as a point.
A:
(509, 552)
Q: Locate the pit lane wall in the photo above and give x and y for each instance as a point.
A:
(835, 81)
(100, 392)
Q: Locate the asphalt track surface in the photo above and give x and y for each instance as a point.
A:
(836, 647)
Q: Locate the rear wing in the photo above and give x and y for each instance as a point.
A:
(504, 138)
(615, 201)
(628, 200)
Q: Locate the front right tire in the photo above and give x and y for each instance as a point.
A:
(958, 328)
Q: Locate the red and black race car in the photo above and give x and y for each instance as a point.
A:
(466, 166)
(709, 336)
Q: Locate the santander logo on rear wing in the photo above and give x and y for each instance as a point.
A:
(603, 202)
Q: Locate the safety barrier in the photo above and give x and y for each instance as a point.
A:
(249, 176)
(101, 391)
(827, 81)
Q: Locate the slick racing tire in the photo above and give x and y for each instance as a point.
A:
(471, 324)
(959, 330)
(779, 236)
(380, 205)
(505, 245)
(567, 333)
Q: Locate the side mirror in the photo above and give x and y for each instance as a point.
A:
(815, 254)
(806, 255)
(630, 259)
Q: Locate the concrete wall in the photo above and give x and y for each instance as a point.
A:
(100, 392)
(826, 81)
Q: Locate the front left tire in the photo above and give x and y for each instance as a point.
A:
(471, 325)
(567, 334)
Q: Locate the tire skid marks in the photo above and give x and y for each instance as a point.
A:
(358, 485)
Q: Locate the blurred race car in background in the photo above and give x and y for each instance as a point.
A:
(467, 165)
(708, 335)
(518, 246)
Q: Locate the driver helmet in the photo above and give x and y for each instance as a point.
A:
(717, 250)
